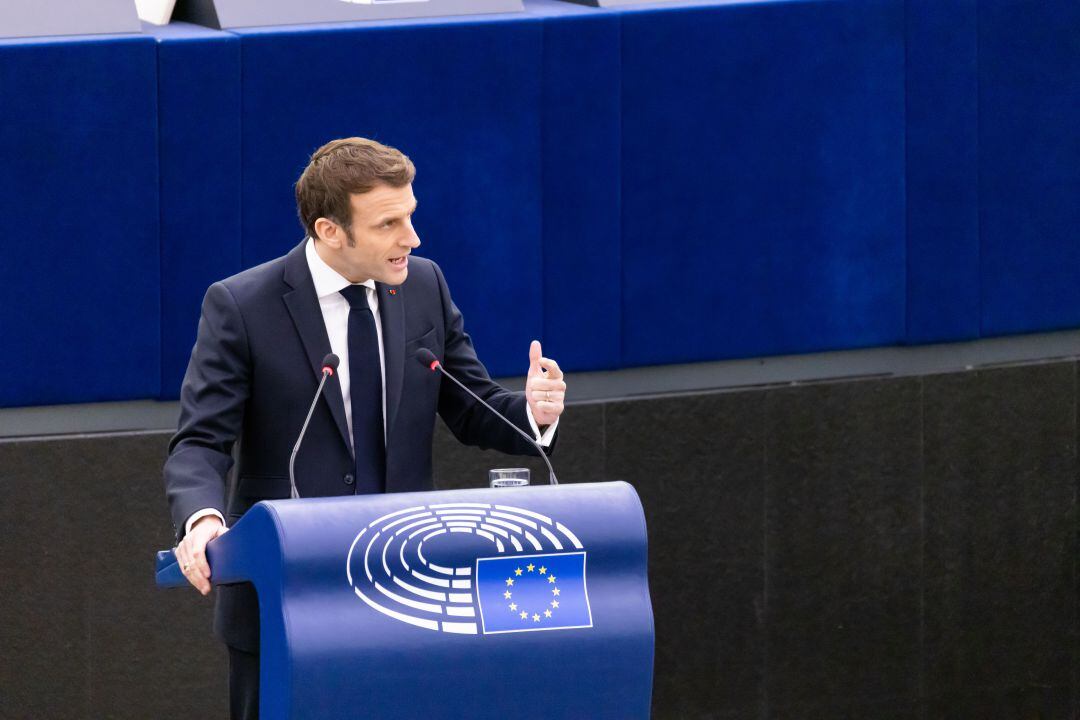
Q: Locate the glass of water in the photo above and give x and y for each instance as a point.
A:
(508, 477)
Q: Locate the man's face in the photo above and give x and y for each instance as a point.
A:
(377, 245)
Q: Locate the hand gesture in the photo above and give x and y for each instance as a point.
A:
(544, 387)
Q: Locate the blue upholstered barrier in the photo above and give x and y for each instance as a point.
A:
(942, 171)
(1029, 175)
(649, 185)
(581, 170)
(79, 290)
(199, 110)
(462, 98)
(762, 179)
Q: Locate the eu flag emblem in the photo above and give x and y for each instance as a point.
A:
(533, 592)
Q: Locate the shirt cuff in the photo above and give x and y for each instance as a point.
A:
(199, 515)
(549, 434)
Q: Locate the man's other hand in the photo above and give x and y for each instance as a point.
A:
(191, 552)
(545, 392)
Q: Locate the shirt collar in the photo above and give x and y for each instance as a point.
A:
(328, 281)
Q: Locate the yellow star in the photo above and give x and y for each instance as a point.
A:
(555, 591)
(518, 571)
(513, 606)
(554, 603)
(507, 594)
(523, 615)
(551, 578)
(531, 567)
(536, 618)
(543, 569)
(547, 613)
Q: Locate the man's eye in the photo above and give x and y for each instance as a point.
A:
(388, 223)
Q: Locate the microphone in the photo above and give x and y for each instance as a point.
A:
(329, 367)
(427, 358)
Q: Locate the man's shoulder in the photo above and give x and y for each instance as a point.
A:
(269, 272)
(256, 282)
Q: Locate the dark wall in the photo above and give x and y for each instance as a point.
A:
(883, 548)
(84, 632)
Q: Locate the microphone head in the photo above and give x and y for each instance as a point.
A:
(330, 363)
(426, 357)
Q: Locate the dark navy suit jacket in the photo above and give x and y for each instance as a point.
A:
(252, 375)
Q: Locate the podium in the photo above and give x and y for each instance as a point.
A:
(526, 602)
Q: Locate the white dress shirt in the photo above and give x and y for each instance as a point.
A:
(335, 311)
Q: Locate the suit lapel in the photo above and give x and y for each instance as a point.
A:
(392, 316)
(303, 306)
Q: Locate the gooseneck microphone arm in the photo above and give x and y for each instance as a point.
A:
(329, 366)
(427, 358)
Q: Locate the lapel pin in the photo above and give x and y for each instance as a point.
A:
(393, 291)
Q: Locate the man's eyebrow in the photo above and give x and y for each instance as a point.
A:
(380, 219)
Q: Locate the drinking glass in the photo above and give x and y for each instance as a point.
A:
(508, 477)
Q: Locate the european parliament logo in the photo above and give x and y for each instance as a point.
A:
(512, 570)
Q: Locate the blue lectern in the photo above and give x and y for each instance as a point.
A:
(527, 602)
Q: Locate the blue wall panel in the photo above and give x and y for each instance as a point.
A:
(582, 269)
(79, 312)
(942, 171)
(199, 109)
(462, 99)
(763, 175)
(634, 187)
(1029, 154)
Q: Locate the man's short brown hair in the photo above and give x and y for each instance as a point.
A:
(341, 168)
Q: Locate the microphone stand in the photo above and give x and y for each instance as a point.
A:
(435, 364)
(327, 371)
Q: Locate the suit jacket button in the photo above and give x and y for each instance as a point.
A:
(349, 479)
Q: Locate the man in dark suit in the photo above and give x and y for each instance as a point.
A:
(350, 288)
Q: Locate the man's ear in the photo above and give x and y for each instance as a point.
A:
(330, 233)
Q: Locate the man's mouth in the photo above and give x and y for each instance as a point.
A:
(400, 262)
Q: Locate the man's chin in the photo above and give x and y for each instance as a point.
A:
(394, 277)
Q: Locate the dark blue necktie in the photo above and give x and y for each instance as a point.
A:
(365, 391)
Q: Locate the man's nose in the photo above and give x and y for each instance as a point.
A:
(412, 240)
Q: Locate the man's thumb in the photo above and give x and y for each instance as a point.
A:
(534, 357)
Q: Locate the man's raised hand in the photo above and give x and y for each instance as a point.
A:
(546, 393)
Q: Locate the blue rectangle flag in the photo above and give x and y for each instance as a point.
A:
(523, 593)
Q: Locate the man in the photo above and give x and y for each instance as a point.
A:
(351, 288)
